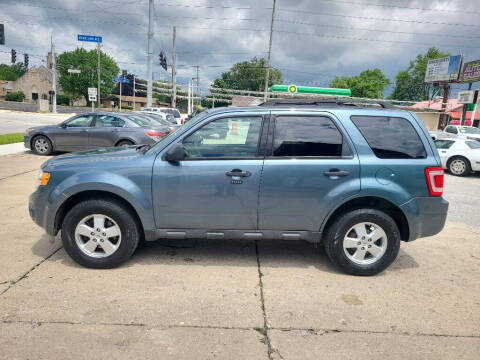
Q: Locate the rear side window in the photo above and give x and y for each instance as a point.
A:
(443, 144)
(390, 137)
(307, 136)
(473, 144)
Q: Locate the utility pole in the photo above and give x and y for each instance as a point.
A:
(446, 91)
(267, 76)
(188, 101)
(121, 95)
(98, 75)
(54, 77)
(174, 87)
(150, 53)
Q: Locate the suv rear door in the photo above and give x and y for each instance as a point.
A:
(310, 166)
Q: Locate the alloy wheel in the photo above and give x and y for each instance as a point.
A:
(98, 236)
(365, 243)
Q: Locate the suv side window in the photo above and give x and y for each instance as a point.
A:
(228, 137)
(390, 137)
(307, 136)
(451, 130)
(109, 121)
(80, 121)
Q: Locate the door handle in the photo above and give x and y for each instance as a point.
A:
(336, 172)
(115, 130)
(238, 172)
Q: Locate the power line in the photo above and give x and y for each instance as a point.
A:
(376, 19)
(377, 30)
(206, 6)
(401, 6)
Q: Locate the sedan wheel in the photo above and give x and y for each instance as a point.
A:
(459, 167)
(42, 146)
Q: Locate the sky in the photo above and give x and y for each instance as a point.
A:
(313, 40)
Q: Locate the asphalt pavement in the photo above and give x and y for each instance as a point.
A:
(18, 121)
(235, 299)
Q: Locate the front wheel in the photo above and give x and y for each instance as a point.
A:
(42, 145)
(100, 233)
(362, 242)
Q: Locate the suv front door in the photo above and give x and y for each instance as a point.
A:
(309, 168)
(216, 186)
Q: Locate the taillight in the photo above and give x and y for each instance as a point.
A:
(181, 121)
(155, 135)
(172, 129)
(434, 177)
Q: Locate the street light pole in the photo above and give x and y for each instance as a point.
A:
(267, 76)
(98, 74)
(54, 77)
(150, 53)
(174, 56)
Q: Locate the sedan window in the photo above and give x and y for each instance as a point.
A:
(80, 121)
(109, 121)
(473, 144)
(141, 121)
(451, 130)
(444, 144)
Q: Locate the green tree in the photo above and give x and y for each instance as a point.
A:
(409, 83)
(369, 84)
(76, 85)
(12, 72)
(248, 75)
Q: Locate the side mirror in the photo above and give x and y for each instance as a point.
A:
(175, 154)
(63, 125)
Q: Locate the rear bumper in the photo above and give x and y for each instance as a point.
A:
(426, 216)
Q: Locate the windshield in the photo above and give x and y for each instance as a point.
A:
(469, 130)
(166, 139)
(139, 120)
(443, 144)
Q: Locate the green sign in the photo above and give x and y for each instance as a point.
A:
(293, 89)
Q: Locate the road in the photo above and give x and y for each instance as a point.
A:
(17, 121)
(235, 299)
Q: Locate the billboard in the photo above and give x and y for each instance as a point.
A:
(443, 69)
(471, 71)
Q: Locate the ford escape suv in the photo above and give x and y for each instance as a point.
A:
(359, 178)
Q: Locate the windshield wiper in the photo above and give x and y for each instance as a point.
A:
(143, 148)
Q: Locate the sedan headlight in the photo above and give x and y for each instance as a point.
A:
(28, 131)
(43, 178)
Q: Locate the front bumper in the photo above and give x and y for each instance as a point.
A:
(426, 216)
(39, 210)
(26, 141)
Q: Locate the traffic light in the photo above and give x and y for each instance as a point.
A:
(2, 34)
(163, 60)
(14, 56)
(25, 60)
(124, 73)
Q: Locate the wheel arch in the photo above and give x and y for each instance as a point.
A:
(373, 202)
(125, 139)
(451, 158)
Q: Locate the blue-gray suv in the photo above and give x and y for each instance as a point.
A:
(359, 178)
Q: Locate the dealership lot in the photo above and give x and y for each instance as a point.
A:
(236, 299)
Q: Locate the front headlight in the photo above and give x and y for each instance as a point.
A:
(28, 131)
(43, 178)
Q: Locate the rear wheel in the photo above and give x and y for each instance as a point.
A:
(125, 143)
(41, 145)
(100, 233)
(362, 242)
(459, 166)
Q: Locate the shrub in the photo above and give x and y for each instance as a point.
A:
(15, 96)
(63, 100)
(125, 107)
(44, 97)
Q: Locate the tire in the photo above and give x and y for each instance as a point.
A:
(95, 253)
(41, 145)
(125, 143)
(336, 238)
(459, 166)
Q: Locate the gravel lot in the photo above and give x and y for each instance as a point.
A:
(236, 299)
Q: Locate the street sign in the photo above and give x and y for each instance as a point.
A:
(466, 97)
(444, 69)
(292, 89)
(92, 94)
(121, 80)
(471, 71)
(74, 71)
(89, 38)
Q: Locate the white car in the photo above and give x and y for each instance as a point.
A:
(457, 131)
(459, 156)
(172, 111)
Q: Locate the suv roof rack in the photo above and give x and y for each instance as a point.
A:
(320, 102)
